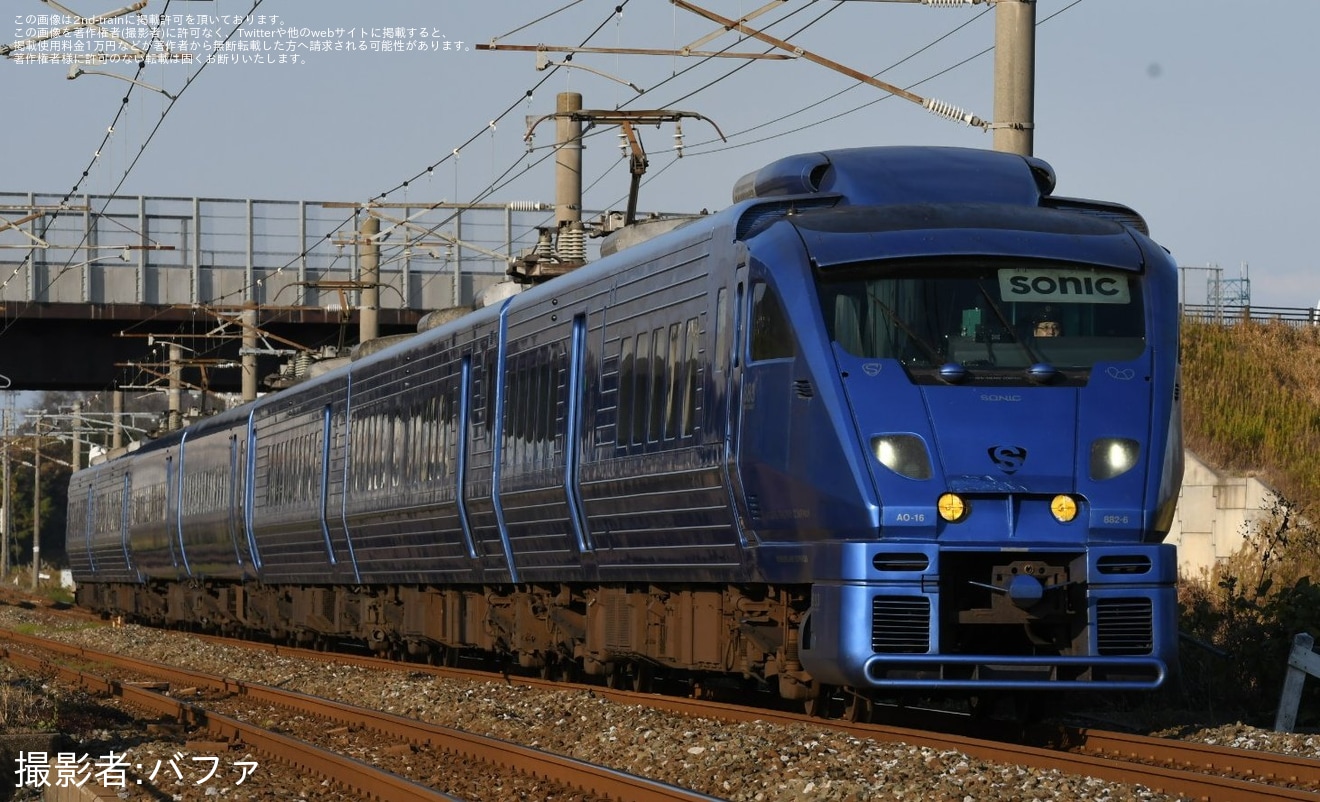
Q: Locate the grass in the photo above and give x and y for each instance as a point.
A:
(1251, 402)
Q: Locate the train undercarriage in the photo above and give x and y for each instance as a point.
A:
(626, 635)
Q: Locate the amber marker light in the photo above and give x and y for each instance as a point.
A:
(952, 508)
(1064, 508)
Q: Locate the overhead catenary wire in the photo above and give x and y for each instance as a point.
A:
(512, 172)
(429, 170)
(127, 170)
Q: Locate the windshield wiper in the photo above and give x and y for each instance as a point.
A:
(932, 355)
(1003, 321)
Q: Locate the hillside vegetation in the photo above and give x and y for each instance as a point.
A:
(1251, 403)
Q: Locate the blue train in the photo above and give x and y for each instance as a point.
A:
(898, 420)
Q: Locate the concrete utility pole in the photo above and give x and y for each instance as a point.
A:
(568, 160)
(248, 350)
(36, 504)
(568, 177)
(4, 512)
(1015, 76)
(369, 277)
(175, 392)
(117, 425)
(76, 456)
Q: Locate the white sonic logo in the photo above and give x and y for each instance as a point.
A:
(1122, 374)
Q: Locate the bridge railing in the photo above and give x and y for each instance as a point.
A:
(1229, 315)
(175, 250)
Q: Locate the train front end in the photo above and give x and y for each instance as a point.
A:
(1010, 372)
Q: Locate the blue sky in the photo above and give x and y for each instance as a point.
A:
(1199, 115)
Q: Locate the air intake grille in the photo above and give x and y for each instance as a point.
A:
(900, 624)
(1123, 626)
(766, 213)
(1123, 564)
(1110, 211)
(803, 388)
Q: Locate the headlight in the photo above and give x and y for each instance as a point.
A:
(1113, 456)
(904, 454)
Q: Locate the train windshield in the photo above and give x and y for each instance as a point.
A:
(986, 316)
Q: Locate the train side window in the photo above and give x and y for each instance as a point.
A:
(658, 359)
(689, 406)
(722, 328)
(488, 379)
(624, 405)
(556, 376)
(515, 409)
(641, 393)
(771, 336)
(673, 393)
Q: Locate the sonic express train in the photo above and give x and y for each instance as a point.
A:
(897, 420)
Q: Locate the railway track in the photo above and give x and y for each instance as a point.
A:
(1181, 769)
(213, 694)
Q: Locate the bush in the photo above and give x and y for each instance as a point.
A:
(1249, 608)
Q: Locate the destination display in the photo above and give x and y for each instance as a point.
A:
(1063, 286)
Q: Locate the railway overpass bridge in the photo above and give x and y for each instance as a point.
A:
(88, 289)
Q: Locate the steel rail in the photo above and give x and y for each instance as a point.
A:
(357, 776)
(588, 777)
(1112, 757)
(1162, 751)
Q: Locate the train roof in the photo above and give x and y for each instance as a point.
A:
(940, 187)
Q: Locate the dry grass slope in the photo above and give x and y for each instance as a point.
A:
(1251, 402)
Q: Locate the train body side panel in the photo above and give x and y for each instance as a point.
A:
(153, 536)
(542, 523)
(652, 481)
(396, 490)
(292, 433)
(208, 487)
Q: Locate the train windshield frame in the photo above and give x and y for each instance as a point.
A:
(992, 317)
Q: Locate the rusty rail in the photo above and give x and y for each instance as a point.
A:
(1179, 768)
(588, 777)
(357, 776)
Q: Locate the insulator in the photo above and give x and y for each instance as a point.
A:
(524, 206)
(545, 249)
(951, 112)
(623, 143)
(951, 3)
(572, 244)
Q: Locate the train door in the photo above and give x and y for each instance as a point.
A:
(730, 317)
(249, 463)
(480, 467)
(176, 505)
(335, 462)
(173, 521)
(576, 396)
(765, 381)
(234, 520)
(465, 399)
